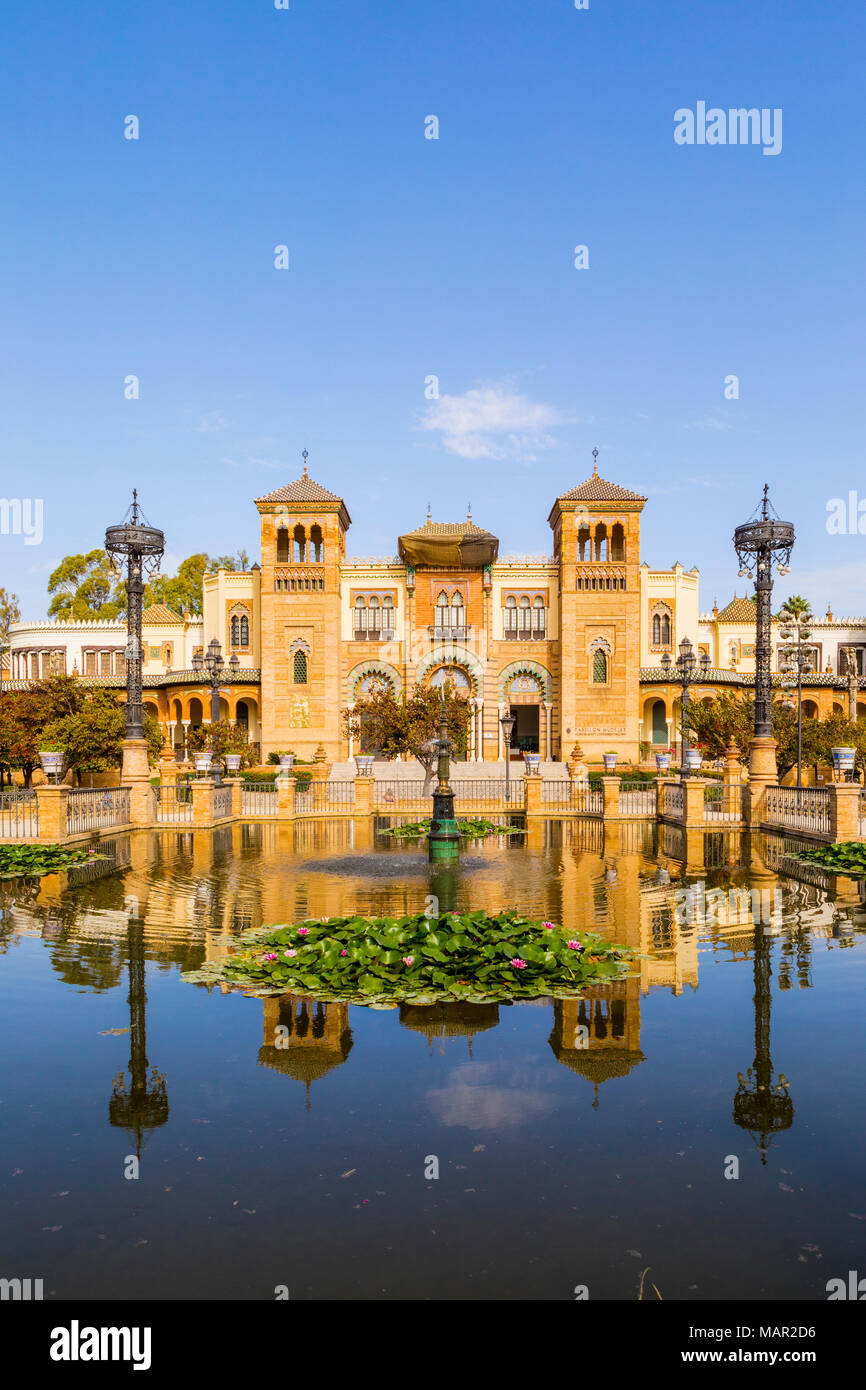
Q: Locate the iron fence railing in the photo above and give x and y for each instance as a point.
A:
(674, 799)
(325, 796)
(637, 798)
(799, 808)
(487, 792)
(19, 813)
(259, 799)
(723, 803)
(222, 802)
(396, 795)
(95, 808)
(562, 794)
(173, 804)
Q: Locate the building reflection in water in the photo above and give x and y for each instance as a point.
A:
(304, 1038)
(634, 882)
(443, 1021)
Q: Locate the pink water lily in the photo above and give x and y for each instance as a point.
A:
(290, 953)
(574, 946)
(548, 926)
(518, 963)
(408, 960)
(344, 953)
(303, 931)
(272, 955)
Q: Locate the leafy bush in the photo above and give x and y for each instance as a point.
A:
(472, 956)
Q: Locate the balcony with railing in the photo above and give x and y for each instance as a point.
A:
(449, 633)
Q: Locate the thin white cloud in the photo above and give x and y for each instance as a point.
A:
(212, 422)
(709, 422)
(493, 421)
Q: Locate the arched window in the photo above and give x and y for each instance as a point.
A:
(666, 630)
(657, 630)
(374, 619)
(359, 621)
(300, 547)
(584, 547)
(236, 631)
(511, 617)
(457, 615)
(601, 541)
(442, 611)
(299, 667)
(245, 630)
(317, 550)
(282, 546)
(599, 667)
(387, 616)
(617, 542)
(539, 617)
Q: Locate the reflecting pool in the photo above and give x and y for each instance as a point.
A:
(702, 1119)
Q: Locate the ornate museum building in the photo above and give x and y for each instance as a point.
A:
(570, 643)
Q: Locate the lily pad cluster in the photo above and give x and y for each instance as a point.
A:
(473, 828)
(474, 956)
(25, 861)
(847, 857)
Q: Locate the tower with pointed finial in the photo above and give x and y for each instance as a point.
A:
(596, 539)
(303, 531)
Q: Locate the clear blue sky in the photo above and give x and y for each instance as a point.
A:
(411, 257)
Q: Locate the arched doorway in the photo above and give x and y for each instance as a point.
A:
(659, 724)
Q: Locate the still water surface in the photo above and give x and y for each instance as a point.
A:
(558, 1165)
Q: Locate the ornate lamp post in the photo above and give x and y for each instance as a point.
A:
(507, 721)
(215, 665)
(443, 842)
(142, 1106)
(796, 657)
(140, 546)
(759, 543)
(686, 666)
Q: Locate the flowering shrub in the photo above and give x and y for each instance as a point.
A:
(474, 956)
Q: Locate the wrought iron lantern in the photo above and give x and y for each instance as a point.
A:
(761, 542)
(140, 547)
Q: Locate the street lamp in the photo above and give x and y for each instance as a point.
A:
(507, 721)
(213, 663)
(140, 546)
(796, 659)
(686, 666)
(759, 543)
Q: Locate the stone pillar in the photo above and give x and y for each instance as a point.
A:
(285, 798)
(202, 801)
(142, 803)
(662, 783)
(693, 800)
(610, 791)
(762, 774)
(321, 768)
(364, 796)
(51, 801)
(237, 786)
(532, 804)
(844, 811)
(548, 708)
(167, 774)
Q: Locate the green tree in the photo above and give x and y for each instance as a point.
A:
(91, 736)
(408, 726)
(10, 612)
(87, 586)
(219, 739)
(181, 591)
